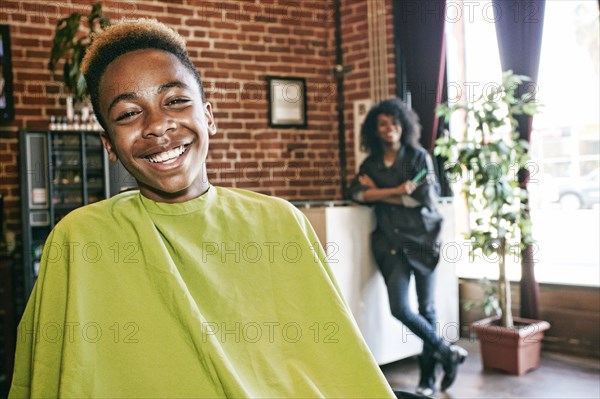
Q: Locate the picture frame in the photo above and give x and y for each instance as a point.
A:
(7, 110)
(287, 102)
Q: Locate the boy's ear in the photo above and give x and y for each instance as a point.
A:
(107, 143)
(210, 119)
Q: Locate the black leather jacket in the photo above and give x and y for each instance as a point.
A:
(413, 230)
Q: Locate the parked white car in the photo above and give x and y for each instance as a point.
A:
(580, 192)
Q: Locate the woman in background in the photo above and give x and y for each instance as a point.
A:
(399, 180)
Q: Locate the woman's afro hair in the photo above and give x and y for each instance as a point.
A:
(402, 113)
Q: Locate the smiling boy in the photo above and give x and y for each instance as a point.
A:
(181, 289)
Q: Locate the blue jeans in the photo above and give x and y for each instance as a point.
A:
(422, 324)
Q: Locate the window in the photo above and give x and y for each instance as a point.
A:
(565, 145)
(564, 187)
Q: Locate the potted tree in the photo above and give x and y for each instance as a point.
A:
(69, 44)
(487, 160)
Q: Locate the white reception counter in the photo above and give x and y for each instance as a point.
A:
(344, 232)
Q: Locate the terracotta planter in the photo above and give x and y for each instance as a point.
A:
(516, 350)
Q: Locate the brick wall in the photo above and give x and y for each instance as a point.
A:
(235, 44)
(9, 180)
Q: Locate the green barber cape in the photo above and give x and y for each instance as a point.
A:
(226, 295)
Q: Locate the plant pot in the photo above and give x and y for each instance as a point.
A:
(515, 350)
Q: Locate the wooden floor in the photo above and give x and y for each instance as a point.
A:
(559, 376)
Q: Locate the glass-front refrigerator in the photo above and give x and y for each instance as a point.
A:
(61, 171)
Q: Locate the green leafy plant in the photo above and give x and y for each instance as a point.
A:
(486, 160)
(69, 44)
(489, 303)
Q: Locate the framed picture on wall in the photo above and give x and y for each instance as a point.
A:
(7, 110)
(287, 102)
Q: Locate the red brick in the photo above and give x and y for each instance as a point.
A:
(229, 66)
(225, 25)
(279, 30)
(36, 100)
(265, 58)
(198, 44)
(253, 27)
(11, 169)
(281, 69)
(238, 136)
(251, 146)
(154, 8)
(229, 124)
(239, 56)
(170, 20)
(213, 54)
(28, 64)
(226, 45)
(252, 8)
(255, 125)
(24, 42)
(180, 11)
(31, 112)
(24, 76)
(196, 22)
(38, 31)
(35, 53)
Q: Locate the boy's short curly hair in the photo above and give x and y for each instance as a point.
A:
(408, 119)
(124, 37)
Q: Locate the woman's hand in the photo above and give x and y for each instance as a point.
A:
(365, 180)
(407, 188)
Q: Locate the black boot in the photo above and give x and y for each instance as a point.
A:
(427, 364)
(450, 356)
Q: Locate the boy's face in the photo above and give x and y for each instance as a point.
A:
(389, 129)
(157, 125)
